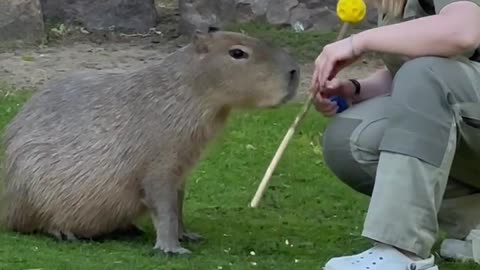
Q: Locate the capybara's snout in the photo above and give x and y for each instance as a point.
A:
(292, 72)
(293, 83)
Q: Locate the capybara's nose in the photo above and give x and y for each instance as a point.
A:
(293, 74)
(293, 78)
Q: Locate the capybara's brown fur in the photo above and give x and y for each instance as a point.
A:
(89, 154)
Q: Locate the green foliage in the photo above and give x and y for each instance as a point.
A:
(306, 216)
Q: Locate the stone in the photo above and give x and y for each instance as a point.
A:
(309, 14)
(21, 20)
(278, 11)
(324, 20)
(302, 15)
(200, 14)
(127, 16)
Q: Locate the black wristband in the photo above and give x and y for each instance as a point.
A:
(357, 86)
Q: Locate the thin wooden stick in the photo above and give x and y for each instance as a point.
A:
(283, 145)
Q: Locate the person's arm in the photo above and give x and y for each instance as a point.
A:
(453, 31)
(379, 83)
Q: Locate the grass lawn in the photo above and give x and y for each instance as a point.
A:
(306, 217)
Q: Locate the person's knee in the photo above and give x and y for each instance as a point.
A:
(420, 79)
(339, 153)
(425, 65)
(420, 124)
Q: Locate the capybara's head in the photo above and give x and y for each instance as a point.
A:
(241, 71)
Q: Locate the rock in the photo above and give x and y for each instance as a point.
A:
(21, 20)
(310, 14)
(200, 14)
(301, 14)
(278, 11)
(127, 16)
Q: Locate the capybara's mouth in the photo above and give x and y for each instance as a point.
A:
(289, 96)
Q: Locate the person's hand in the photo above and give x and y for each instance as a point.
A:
(322, 102)
(333, 58)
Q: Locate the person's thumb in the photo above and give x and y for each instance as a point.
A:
(332, 84)
(332, 88)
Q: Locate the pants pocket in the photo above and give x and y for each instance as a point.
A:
(467, 116)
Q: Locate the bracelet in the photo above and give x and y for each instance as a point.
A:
(357, 86)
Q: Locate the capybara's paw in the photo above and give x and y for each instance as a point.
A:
(63, 236)
(191, 237)
(171, 250)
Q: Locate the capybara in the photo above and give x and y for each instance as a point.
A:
(89, 154)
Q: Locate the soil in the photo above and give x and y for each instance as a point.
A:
(76, 50)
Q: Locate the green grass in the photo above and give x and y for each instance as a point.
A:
(305, 205)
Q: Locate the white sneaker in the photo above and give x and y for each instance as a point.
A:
(467, 250)
(458, 250)
(380, 257)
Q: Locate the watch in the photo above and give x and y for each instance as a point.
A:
(357, 86)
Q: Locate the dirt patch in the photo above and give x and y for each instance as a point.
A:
(34, 68)
(76, 50)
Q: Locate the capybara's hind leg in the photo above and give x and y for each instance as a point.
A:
(185, 236)
(62, 235)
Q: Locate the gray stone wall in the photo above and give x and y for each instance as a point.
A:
(128, 16)
(21, 20)
(26, 19)
(305, 14)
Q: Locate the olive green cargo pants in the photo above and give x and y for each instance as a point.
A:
(416, 152)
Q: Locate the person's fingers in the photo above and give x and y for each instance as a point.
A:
(332, 109)
(326, 70)
(324, 105)
(332, 84)
(334, 88)
(320, 65)
(321, 104)
(317, 99)
(331, 112)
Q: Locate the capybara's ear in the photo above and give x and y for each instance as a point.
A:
(200, 41)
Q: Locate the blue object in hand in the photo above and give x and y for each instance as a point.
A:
(341, 102)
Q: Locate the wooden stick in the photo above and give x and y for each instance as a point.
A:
(283, 145)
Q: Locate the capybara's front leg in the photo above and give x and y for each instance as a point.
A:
(184, 234)
(161, 198)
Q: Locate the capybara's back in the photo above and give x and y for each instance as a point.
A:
(88, 154)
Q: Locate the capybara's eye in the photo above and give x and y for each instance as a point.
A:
(238, 54)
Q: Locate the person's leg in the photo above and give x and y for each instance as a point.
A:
(417, 150)
(459, 214)
(351, 151)
(351, 143)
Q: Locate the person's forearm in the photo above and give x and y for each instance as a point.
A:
(377, 84)
(452, 32)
